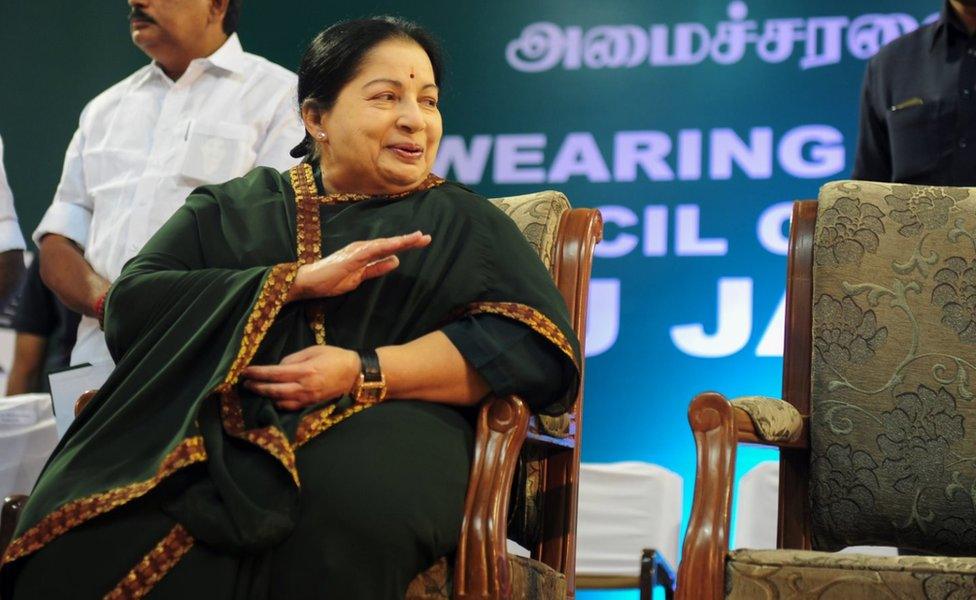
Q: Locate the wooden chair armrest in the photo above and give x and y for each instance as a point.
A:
(481, 566)
(9, 516)
(718, 426)
(701, 574)
(753, 416)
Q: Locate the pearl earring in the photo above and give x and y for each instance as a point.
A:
(321, 135)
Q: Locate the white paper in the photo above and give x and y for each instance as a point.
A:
(67, 386)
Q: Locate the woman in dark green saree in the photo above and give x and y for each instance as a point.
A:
(283, 425)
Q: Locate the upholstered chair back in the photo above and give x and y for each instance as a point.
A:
(893, 411)
(537, 217)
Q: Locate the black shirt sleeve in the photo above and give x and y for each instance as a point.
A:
(511, 358)
(872, 160)
(37, 306)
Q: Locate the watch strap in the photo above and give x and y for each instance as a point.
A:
(371, 386)
(370, 365)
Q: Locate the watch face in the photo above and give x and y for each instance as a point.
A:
(371, 391)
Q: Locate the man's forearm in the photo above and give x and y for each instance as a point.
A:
(66, 272)
(27, 370)
(11, 271)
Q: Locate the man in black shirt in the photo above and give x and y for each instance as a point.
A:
(45, 335)
(918, 105)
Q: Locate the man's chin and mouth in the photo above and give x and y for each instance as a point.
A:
(139, 27)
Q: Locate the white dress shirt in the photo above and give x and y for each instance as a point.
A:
(10, 236)
(145, 143)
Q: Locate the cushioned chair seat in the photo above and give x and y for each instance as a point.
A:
(789, 574)
(531, 580)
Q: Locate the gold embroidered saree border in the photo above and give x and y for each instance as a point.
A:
(190, 450)
(315, 423)
(266, 308)
(308, 227)
(270, 439)
(74, 513)
(431, 181)
(306, 179)
(527, 315)
(269, 303)
(154, 566)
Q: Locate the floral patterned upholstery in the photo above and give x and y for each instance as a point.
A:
(775, 420)
(775, 574)
(531, 580)
(537, 217)
(893, 415)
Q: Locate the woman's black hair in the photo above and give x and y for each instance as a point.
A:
(335, 55)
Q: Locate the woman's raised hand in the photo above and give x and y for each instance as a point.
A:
(342, 271)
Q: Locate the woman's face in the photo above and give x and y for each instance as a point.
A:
(383, 132)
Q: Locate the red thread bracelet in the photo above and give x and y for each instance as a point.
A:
(100, 310)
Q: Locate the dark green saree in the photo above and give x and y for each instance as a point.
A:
(177, 482)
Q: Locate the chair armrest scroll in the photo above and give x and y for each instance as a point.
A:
(764, 420)
(481, 567)
(83, 401)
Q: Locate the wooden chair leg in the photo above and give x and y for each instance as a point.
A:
(648, 578)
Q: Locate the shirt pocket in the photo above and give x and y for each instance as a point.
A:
(217, 151)
(919, 138)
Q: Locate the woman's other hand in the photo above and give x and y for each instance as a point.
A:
(342, 271)
(306, 377)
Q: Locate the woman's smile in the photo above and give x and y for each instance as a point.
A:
(407, 152)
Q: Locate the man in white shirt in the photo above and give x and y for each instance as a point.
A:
(11, 239)
(203, 111)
